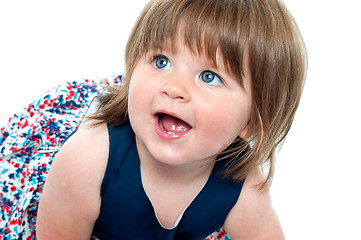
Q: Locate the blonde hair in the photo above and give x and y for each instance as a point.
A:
(263, 29)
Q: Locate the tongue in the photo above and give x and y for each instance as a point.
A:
(174, 125)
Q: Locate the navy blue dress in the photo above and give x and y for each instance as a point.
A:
(127, 213)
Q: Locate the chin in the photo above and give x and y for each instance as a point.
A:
(170, 159)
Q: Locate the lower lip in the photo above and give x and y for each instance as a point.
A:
(164, 134)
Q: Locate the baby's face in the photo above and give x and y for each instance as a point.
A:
(183, 108)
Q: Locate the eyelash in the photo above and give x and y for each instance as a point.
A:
(157, 56)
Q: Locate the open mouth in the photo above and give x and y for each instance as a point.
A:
(170, 127)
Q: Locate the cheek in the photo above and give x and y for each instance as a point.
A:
(225, 122)
(220, 130)
(137, 93)
(135, 102)
(217, 140)
(137, 88)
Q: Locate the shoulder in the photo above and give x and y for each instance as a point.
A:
(83, 158)
(253, 216)
(86, 151)
(74, 183)
(86, 141)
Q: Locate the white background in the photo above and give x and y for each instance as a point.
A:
(316, 190)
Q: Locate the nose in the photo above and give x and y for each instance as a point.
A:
(175, 87)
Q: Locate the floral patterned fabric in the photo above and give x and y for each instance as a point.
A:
(28, 143)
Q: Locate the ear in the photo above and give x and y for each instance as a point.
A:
(245, 132)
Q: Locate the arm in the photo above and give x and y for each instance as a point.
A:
(70, 201)
(253, 217)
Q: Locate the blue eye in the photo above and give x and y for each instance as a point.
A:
(210, 78)
(161, 62)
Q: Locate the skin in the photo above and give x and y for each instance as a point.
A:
(173, 170)
(253, 217)
(70, 201)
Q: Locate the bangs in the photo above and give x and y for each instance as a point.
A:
(205, 27)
